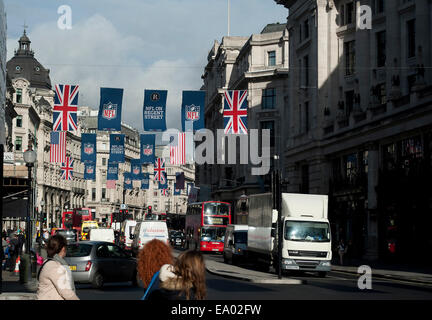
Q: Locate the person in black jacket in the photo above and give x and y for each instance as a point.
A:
(186, 280)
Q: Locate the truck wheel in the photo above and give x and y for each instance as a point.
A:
(322, 274)
(98, 281)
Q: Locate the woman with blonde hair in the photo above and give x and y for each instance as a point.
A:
(187, 281)
(151, 258)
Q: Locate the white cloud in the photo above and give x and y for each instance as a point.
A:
(95, 54)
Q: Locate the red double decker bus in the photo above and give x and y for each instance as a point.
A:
(205, 225)
(67, 220)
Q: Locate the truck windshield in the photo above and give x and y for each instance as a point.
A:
(213, 234)
(240, 237)
(307, 231)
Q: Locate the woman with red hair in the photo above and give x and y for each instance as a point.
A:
(151, 258)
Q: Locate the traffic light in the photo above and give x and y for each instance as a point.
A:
(149, 211)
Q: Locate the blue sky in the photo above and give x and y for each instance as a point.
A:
(133, 44)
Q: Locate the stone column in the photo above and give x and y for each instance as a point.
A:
(372, 204)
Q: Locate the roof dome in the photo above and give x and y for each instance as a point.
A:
(24, 65)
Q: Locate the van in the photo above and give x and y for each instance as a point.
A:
(102, 234)
(235, 243)
(86, 226)
(149, 230)
(127, 232)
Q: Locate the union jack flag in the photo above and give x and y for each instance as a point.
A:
(67, 169)
(65, 108)
(165, 192)
(159, 169)
(235, 112)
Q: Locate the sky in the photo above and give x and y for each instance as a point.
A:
(133, 44)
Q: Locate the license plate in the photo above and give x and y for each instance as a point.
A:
(73, 268)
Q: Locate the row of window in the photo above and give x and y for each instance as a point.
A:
(381, 54)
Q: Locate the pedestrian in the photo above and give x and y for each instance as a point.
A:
(341, 250)
(13, 252)
(151, 258)
(21, 242)
(55, 278)
(188, 281)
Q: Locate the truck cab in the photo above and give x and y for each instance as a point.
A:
(307, 245)
(235, 244)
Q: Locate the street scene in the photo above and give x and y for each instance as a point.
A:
(241, 150)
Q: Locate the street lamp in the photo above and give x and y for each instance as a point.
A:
(41, 217)
(30, 159)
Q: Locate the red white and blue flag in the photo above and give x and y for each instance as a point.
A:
(178, 149)
(159, 170)
(65, 108)
(165, 192)
(58, 146)
(67, 169)
(235, 112)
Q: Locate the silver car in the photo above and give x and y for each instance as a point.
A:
(98, 262)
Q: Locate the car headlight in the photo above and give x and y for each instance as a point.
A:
(326, 264)
(288, 261)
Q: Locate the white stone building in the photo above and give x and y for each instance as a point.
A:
(359, 117)
(258, 64)
(33, 100)
(2, 74)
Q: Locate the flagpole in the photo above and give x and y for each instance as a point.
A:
(228, 18)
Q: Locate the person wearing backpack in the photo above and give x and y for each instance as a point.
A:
(55, 278)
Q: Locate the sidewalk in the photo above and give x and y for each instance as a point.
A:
(414, 274)
(12, 289)
(234, 272)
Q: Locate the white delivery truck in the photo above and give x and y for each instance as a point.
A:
(102, 234)
(146, 231)
(306, 242)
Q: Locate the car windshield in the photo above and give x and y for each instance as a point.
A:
(78, 250)
(213, 234)
(307, 231)
(240, 237)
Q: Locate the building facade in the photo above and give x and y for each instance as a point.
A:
(360, 115)
(258, 64)
(2, 74)
(33, 99)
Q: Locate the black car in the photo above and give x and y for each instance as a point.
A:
(177, 238)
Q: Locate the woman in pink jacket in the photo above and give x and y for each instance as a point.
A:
(55, 277)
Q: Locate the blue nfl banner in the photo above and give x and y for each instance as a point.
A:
(117, 153)
(154, 111)
(110, 107)
(193, 109)
(112, 172)
(180, 180)
(90, 171)
(147, 148)
(145, 181)
(164, 184)
(88, 148)
(127, 181)
(136, 169)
